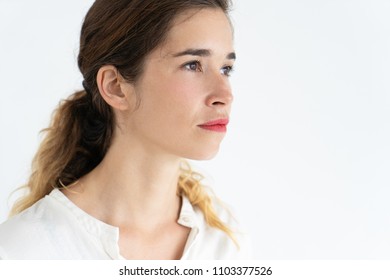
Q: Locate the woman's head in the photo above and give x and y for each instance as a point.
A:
(129, 35)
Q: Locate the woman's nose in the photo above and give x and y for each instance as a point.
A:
(221, 92)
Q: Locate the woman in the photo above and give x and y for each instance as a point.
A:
(109, 181)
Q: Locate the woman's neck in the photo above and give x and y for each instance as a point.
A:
(132, 187)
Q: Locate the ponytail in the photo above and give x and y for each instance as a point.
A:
(74, 143)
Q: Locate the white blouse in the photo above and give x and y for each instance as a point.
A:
(55, 228)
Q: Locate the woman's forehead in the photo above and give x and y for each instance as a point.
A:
(206, 29)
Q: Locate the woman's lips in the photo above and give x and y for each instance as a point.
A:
(215, 125)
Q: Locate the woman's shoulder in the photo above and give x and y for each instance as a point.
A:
(54, 228)
(25, 230)
(29, 231)
(25, 219)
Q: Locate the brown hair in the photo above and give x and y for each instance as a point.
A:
(119, 33)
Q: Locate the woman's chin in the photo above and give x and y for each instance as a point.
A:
(204, 155)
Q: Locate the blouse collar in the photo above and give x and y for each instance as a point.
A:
(109, 235)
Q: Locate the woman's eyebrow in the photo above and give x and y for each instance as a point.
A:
(231, 55)
(201, 52)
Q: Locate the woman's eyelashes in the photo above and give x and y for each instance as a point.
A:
(227, 70)
(193, 66)
(196, 66)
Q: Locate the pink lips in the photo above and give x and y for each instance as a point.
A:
(215, 125)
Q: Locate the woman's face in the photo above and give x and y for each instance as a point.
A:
(185, 86)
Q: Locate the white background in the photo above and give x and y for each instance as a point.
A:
(306, 162)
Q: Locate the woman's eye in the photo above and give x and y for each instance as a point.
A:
(193, 66)
(227, 70)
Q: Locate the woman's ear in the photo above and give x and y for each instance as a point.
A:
(112, 89)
